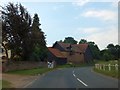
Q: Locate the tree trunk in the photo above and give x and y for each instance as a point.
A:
(6, 51)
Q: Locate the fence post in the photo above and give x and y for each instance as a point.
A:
(96, 66)
(116, 67)
(109, 67)
(104, 67)
(100, 66)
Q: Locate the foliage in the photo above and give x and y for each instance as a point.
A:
(93, 47)
(21, 34)
(70, 40)
(83, 41)
(111, 52)
(16, 28)
(38, 40)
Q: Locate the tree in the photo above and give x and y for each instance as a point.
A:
(114, 50)
(117, 47)
(83, 41)
(106, 55)
(93, 47)
(111, 52)
(60, 41)
(70, 40)
(110, 46)
(16, 29)
(95, 50)
(38, 39)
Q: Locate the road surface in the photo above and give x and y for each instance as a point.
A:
(82, 77)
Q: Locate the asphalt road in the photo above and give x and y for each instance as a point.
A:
(82, 77)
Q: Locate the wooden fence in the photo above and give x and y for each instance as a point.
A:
(107, 67)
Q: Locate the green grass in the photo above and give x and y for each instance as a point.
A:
(34, 71)
(75, 65)
(5, 84)
(112, 73)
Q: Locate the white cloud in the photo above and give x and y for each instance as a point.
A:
(105, 37)
(80, 2)
(115, 4)
(55, 8)
(101, 36)
(105, 15)
(89, 30)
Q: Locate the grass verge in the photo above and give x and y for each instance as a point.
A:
(113, 73)
(34, 71)
(5, 84)
(69, 65)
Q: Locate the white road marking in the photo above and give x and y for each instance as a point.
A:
(82, 82)
(74, 75)
(79, 80)
(73, 71)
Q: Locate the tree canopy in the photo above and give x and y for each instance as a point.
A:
(20, 32)
(70, 40)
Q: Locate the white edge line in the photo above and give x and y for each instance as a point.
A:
(74, 75)
(82, 82)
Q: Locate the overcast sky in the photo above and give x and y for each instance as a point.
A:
(83, 19)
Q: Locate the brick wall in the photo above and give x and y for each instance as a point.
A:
(20, 65)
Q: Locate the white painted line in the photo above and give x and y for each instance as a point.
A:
(73, 71)
(74, 75)
(82, 82)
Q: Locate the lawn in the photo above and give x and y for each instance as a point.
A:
(34, 71)
(113, 73)
(5, 84)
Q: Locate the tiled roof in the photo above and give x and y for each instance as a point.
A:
(64, 45)
(56, 52)
(75, 47)
(81, 47)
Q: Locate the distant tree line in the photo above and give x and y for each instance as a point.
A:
(110, 53)
(22, 33)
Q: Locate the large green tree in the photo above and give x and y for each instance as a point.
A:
(111, 52)
(70, 40)
(16, 28)
(38, 40)
(82, 41)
